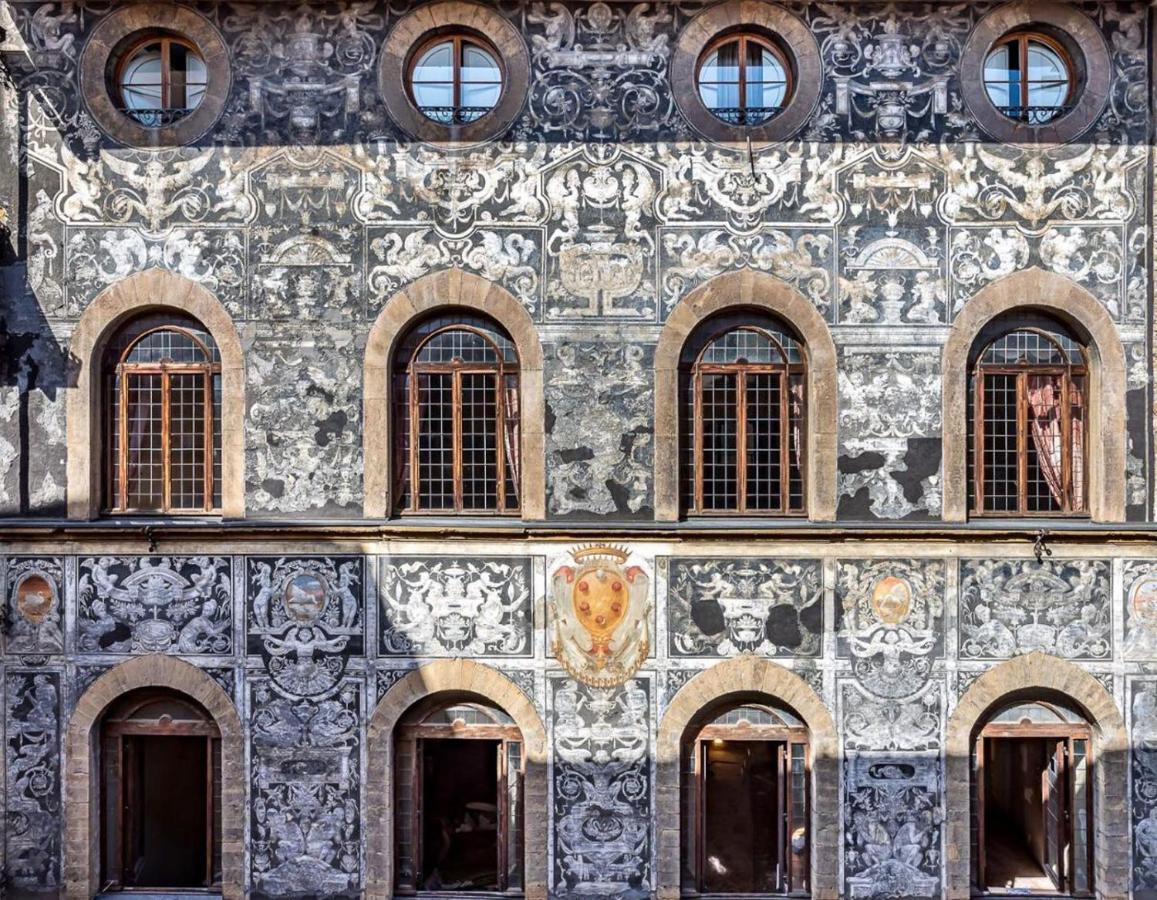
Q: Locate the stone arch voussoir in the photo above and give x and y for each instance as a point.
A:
(735, 679)
(452, 676)
(82, 840)
(1024, 676)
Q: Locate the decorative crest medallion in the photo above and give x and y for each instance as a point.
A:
(600, 608)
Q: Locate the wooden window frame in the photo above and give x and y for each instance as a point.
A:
(743, 38)
(1068, 374)
(785, 735)
(1021, 40)
(460, 41)
(112, 767)
(1062, 732)
(740, 371)
(117, 478)
(500, 372)
(410, 737)
(167, 41)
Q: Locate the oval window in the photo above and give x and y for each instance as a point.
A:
(161, 80)
(744, 79)
(1029, 78)
(455, 80)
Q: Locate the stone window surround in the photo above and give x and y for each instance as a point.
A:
(746, 678)
(124, 24)
(417, 27)
(1090, 54)
(766, 18)
(82, 840)
(153, 290)
(728, 293)
(458, 679)
(1039, 291)
(444, 291)
(1024, 677)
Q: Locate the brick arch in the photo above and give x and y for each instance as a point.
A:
(1036, 290)
(452, 677)
(446, 290)
(1020, 678)
(757, 290)
(151, 290)
(82, 842)
(740, 678)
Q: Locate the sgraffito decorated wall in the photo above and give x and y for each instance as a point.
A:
(601, 206)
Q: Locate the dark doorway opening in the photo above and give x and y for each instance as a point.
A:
(1033, 792)
(745, 803)
(160, 794)
(741, 816)
(460, 815)
(164, 832)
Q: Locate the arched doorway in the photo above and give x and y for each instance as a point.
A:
(159, 793)
(745, 798)
(1032, 793)
(458, 811)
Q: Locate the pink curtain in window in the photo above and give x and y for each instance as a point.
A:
(1044, 403)
(796, 394)
(511, 437)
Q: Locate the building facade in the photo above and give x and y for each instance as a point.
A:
(577, 448)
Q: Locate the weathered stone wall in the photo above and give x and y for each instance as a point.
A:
(600, 210)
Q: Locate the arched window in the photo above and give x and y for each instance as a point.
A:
(1028, 395)
(1029, 77)
(160, 796)
(744, 79)
(744, 421)
(746, 804)
(162, 376)
(455, 79)
(457, 418)
(458, 799)
(1032, 798)
(161, 79)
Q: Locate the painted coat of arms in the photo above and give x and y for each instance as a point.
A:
(600, 607)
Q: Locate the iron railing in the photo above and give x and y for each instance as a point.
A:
(1034, 115)
(454, 115)
(155, 118)
(745, 115)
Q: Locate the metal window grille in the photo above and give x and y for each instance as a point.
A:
(457, 422)
(744, 422)
(1027, 441)
(163, 422)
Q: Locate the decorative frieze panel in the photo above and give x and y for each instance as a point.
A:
(34, 588)
(305, 618)
(305, 793)
(727, 606)
(1139, 589)
(433, 606)
(32, 826)
(1143, 707)
(909, 725)
(890, 621)
(1009, 607)
(601, 789)
(155, 604)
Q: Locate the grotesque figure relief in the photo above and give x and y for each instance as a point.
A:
(1144, 800)
(305, 790)
(892, 824)
(891, 725)
(723, 607)
(890, 621)
(602, 788)
(1016, 606)
(600, 609)
(305, 619)
(35, 606)
(32, 711)
(144, 604)
(439, 607)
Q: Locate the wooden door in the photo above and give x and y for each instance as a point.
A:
(783, 836)
(1056, 814)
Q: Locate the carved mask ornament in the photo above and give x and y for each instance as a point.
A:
(600, 609)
